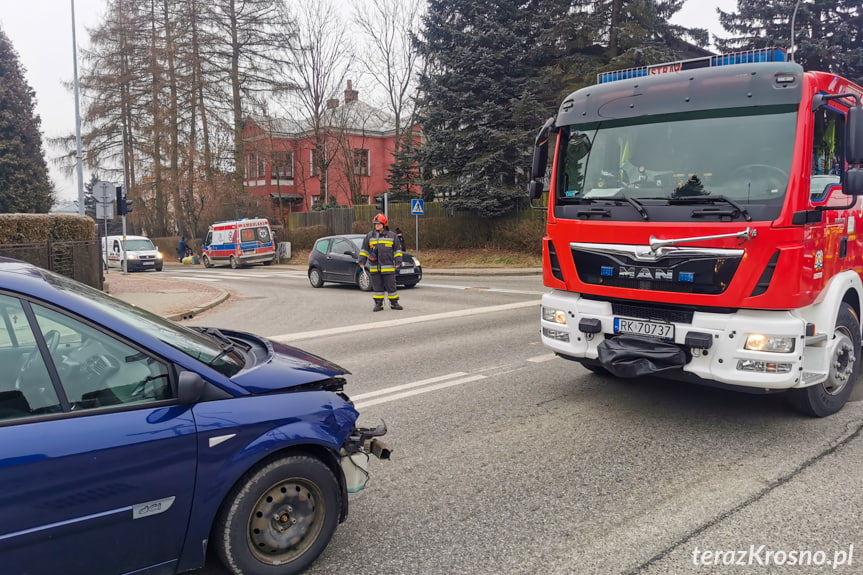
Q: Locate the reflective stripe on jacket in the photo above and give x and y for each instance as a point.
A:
(382, 252)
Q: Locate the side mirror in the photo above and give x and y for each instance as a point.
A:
(854, 135)
(535, 190)
(540, 150)
(853, 182)
(190, 387)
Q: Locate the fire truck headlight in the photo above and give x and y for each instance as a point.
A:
(554, 315)
(771, 343)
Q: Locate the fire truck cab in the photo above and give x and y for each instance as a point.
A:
(701, 225)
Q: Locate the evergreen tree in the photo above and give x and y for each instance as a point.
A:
(828, 34)
(24, 183)
(403, 174)
(478, 110)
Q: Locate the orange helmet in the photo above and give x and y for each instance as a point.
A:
(380, 219)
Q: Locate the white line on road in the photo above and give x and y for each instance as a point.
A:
(405, 386)
(542, 358)
(404, 394)
(290, 337)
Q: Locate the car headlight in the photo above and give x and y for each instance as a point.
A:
(159, 255)
(554, 315)
(132, 256)
(771, 343)
(417, 262)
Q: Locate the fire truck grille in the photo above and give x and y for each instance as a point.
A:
(708, 275)
(652, 313)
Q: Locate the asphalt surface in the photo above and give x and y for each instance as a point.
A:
(178, 299)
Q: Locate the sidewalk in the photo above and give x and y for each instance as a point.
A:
(179, 299)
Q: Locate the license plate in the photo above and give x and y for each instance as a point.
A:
(640, 327)
(406, 270)
(148, 263)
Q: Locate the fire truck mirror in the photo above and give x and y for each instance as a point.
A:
(535, 189)
(854, 139)
(853, 184)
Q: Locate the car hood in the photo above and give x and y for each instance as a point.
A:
(276, 366)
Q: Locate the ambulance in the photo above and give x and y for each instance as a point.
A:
(238, 243)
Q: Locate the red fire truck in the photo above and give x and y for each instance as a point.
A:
(702, 223)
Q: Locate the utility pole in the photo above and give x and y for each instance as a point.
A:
(78, 155)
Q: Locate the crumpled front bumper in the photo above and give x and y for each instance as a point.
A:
(356, 452)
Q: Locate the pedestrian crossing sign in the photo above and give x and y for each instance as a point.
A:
(417, 207)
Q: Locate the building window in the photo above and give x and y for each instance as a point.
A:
(361, 162)
(283, 166)
(250, 166)
(262, 168)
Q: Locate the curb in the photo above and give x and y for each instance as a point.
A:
(189, 314)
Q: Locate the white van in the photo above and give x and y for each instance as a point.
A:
(140, 253)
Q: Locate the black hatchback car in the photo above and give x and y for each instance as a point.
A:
(334, 259)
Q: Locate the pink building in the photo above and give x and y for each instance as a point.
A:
(345, 160)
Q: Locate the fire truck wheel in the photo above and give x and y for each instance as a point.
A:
(828, 397)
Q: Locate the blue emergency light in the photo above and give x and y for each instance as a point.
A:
(747, 57)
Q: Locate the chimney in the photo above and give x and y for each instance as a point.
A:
(332, 103)
(351, 94)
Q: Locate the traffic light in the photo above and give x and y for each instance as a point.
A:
(381, 203)
(124, 206)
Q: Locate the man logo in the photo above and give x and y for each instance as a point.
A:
(654, 274)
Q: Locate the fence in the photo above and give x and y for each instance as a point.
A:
(79, 260)
(437, 227)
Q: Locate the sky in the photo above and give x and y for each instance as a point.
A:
(41, 34)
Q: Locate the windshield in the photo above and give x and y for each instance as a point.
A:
(204, 348)
(740, 155)
(139, 245)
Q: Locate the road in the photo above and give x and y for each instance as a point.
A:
(508, 460)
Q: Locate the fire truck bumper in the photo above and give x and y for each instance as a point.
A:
(757, 349)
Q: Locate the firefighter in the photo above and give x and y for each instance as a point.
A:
(382, 250)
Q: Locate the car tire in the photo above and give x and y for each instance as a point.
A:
(364, 280)
(828, 397)
(206, 261)
(410, 285)
(234, 263)
(315, 278)
(158, 269)
(279, 517)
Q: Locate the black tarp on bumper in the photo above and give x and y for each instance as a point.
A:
(633, 356)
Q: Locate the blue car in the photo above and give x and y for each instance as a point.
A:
(131, 444)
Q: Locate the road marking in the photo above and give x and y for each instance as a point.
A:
(405, 386)
(291, 337)
(483, 289)
(542, 358)
(427, 389)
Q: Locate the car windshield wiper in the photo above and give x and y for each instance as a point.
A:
(712, 200)
(227, 344)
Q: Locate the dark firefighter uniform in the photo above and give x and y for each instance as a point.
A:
(382, 251)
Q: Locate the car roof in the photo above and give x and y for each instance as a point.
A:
(343, 236)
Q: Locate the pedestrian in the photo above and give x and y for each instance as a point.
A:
(182, 249)
(401, 236)
(381, 249)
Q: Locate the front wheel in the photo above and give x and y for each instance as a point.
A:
(828, 397)
(234, 263)
(278, 518)
(315, 278)
(364, 280)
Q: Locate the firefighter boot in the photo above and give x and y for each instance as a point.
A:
(394, 304)
(379, 305)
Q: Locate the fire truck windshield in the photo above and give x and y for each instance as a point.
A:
(742, 155)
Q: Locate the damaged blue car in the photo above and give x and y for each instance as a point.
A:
(132, 444)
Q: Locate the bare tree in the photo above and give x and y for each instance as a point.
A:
(393, 61)
(322, 58)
